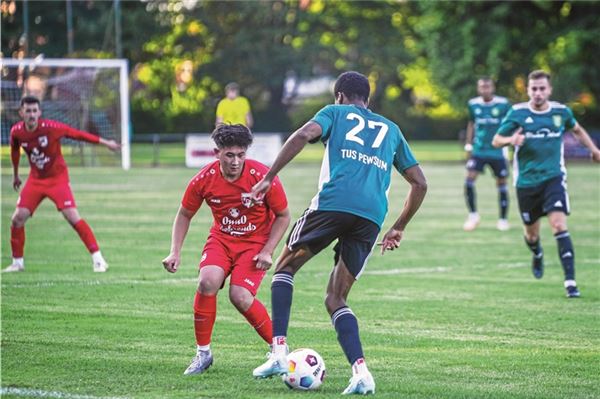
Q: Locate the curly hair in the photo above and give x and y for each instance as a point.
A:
(354, 85)
(226, 135)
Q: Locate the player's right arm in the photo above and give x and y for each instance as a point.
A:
(181, 226)
(219, 113)
(15, 156)
(192, 199)
(509, 132)
(469, 138)
(292, 147)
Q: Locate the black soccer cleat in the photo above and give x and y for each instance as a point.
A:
(573, 292)
(537, 266)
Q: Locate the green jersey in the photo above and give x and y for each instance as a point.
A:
(361, 147)
(541, 157)
(486, 117)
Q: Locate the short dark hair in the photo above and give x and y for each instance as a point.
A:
(226, 135)
(354, 85)
(485, 78)
(30, 100)
(539, 74)
(232, 86)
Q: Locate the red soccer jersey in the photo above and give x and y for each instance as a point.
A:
(42, 147)
(234, 213)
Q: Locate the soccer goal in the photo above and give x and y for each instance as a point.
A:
(88, 94)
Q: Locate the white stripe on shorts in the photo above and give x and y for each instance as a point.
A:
(295, 235)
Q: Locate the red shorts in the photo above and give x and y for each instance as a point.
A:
(35, 190)
(235, 258)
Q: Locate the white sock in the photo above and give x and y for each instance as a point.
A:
(279, 346)
(360, 367)
(570, 283)
(97, 257)
(203, 348)
(18, 261)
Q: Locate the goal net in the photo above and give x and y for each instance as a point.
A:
(88, 94)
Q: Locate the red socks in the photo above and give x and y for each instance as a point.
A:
(17, 238)
(86, 235)
(205, 313)
(258, 317)
(17, 241)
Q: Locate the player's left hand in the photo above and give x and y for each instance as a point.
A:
(17, 183)
(171, 263)
(391, 240)
(112, 145)
(263, 260)
(596, 156)
(518, 138)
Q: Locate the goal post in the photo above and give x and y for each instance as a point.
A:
(88, 94)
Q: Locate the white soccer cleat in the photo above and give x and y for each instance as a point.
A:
(200, 363)
(360, 384)
(503, 225)
(276, 364)
(98, 263)
(472, 222)
(14, 268)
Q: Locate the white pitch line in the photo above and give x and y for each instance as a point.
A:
(38, 393)
(187, 280)
(43, 284)
(408, 270)
(404, 270)
(514, 265)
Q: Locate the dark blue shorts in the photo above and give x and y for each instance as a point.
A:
(498, 166)
(538, 201)
(356, 236)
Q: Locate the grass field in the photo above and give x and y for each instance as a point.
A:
(173, 154)
(448, 315)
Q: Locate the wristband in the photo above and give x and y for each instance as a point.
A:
(468, 147)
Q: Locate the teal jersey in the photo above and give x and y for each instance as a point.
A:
(360, 149)
(486, 118)
(541, 156)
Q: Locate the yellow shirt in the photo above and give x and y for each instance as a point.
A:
(233, 111)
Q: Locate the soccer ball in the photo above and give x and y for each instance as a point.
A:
(306, 370)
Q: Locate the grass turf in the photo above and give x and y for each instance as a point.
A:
(173, 154)
(448, 315)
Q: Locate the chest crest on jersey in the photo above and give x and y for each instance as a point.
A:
(43, 141)
(247, 200)
(234, 213)
(557, 120)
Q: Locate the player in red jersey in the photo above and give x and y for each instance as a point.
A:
(241, 240)
(48, 177)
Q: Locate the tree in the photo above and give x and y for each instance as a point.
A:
(506, 40)
(258, 44)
